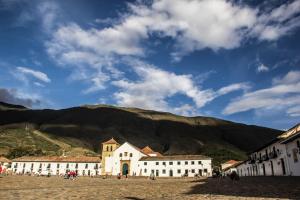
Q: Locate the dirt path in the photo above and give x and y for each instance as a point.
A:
(57, 142)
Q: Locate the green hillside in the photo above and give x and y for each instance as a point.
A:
(80, 130)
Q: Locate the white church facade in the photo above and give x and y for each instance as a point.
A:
(129, 159)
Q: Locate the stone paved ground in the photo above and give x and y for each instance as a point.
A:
(26, 187)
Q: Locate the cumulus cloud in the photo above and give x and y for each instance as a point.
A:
(24, 71)
(192, 24)
(154, 86)
(284, 93)
(14, 96)
(94, 53)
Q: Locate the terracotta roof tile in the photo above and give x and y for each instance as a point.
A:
(233, 166)
(58, 159)
(147, 150)
(111, 141)
(4, 160)
(231, 162)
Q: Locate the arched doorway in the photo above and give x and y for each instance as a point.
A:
(171, 173)
(125, 170)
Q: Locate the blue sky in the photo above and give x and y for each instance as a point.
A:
(235, 60)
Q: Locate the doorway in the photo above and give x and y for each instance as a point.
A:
(125, 169)
(283, 166)
(171, 173)
(157, 173)
(264, 169)
(272, 169)
(200, 172)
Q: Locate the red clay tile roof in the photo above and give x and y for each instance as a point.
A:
(4, 160)
(231, 162)
(176, 157)
(77, 159)
(157, 154)
(233, 166)
(111, 141)
(147, 150)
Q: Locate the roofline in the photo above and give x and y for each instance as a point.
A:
(156, 158)
(291, 138)
(55, 161)
(135, 147)
(109, 140)
(278, 138)
(265, 145)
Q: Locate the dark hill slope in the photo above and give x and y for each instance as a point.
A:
(87, 126)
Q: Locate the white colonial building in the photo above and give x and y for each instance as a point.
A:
(129, 159)
(280, 157)
(57, 165)
(125, 159)
(177, 166)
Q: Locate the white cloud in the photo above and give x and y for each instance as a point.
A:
(294, 111)
(48, 11)
(233, 87)
(278, 22)
(262, 68)
(193, 25)
(39, 84)
(285, 93)
(15, 96)
(155, 86)
(290, 77)
(23, 71)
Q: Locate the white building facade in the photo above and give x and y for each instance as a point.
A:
(128, 159)
(53, 165)
(175, 166)
(280, 157)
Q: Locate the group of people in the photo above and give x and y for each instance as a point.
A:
(70, 175)
(3, 170)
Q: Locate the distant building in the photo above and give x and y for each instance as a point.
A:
(129, 159)
(279, 157)
(57, 165)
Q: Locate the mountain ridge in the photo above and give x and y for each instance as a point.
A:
(87, 126)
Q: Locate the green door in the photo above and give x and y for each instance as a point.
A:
(125, 169)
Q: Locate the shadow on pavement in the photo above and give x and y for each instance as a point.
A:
(263, 187)
(133, 198)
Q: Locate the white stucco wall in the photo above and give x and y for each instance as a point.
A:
(56, 168)
(178, 167)
(293, 157)
(256, 169)
(129, 153)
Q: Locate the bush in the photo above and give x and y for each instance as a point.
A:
(24, 151)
